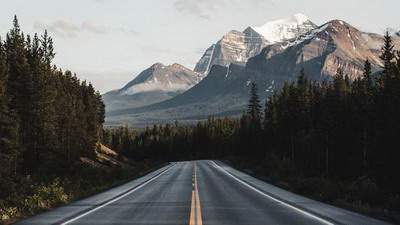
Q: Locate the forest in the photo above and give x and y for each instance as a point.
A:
(50, 124)
(335, 141)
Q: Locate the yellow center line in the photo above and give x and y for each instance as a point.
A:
(195, 211)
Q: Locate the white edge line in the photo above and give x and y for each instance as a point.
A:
(275, 199)
(116, 199)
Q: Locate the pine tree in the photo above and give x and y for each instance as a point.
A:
(254, 107)
(301, 79)
(340, 83)
(43, 97)
(8, 135)
(367, 70)
(19, 86)
(387, 55)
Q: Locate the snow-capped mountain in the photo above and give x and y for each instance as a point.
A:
(285, 29)
(224, 91)
(321, 52)
(234, 47)
(237, 47)
(155, 84)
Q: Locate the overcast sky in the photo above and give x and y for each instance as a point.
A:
(109, 41)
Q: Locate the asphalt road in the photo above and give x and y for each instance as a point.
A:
(201, 192)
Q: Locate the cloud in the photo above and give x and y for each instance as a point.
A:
(64, 28)
(206, 8)
(60, 27)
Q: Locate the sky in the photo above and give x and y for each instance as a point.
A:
(108, 42)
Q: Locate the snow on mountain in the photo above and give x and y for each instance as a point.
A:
(285, 29)
(322, 51)
(173, 78)
(237, 47)
(233, 62)
(234, 47)
(155, 84)
(224, 91)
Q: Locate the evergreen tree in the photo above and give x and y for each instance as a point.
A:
(19, 86)
(8, 135)
(387, 54)
(367, 72)
(254, 107)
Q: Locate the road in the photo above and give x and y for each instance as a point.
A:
(197, 193)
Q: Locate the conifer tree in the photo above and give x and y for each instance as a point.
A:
(367, 70)
(254, 107)
(19, 86)
(8, 134)
(387, 54)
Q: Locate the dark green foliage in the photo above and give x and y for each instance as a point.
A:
(8, 134)
(387, 54)
(254, 107)
(48, 118)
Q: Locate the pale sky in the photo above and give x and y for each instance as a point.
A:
(108, 42)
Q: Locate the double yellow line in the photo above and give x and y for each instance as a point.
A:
(195, 211)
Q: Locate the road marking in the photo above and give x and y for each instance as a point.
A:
(195, 209)
(116, 199)
(273, 198)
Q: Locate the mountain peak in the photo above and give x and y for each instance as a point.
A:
(157, 65)
(177, 66)
(284, 29)
(251, 32)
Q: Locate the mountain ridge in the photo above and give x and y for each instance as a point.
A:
(224, 91)
(155, 84)
(237, 47)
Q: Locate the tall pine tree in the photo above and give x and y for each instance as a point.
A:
(387, 55)
(254, 107)
(9, 150)
(19, 85)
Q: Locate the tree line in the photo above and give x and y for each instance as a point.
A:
(48, 118)
(340, 130)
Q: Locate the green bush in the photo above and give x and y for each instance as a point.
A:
(45, 196)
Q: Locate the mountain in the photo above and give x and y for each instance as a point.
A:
(224, 91)
(285, 29)
(234, 47)
(155, 84)
(321, 52)
(237, 47)
(219, 93)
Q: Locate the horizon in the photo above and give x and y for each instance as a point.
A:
(113, 42)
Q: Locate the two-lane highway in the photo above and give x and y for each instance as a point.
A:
(197, 193)
(226, 201)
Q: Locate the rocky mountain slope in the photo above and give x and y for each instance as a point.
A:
(234, 47)
(321, 52)
(237, 47)
(155, 84)
(225, 90)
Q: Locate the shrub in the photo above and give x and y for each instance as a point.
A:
(45, 196)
